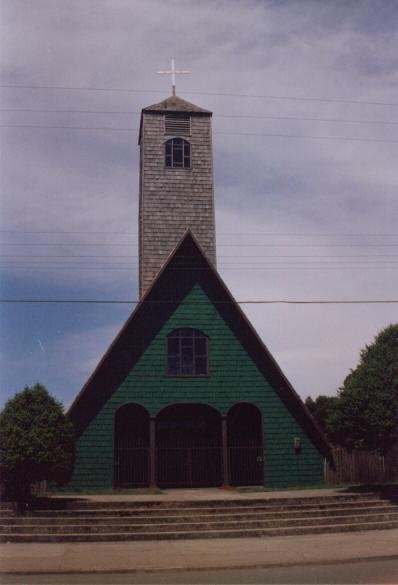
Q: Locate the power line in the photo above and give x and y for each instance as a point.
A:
(348, 245)
(242, 266)
(131, 268)
(307, 119)
(224, 260)
(236, 244)
(281, 234)
(64, 244)
(267, 135)
(220, 258)
(233, 116)
(52, 127)
(40, 111)
(293, 98)
(312, 245)
(245, 302)
(207, 93)
(71, 232)
(309, 136)
(228, 262)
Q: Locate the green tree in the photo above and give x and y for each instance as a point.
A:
(366, 415)
(322, 409)
(36, 441)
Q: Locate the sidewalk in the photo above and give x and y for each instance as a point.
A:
(200, 553)
(197, 554)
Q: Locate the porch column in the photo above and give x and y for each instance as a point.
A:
(225, 452)
(152, 452)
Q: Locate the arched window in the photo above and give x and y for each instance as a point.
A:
(187, 353)
(178, 153)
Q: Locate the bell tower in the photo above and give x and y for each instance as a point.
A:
(176, 183)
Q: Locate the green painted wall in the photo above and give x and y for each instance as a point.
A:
(233, 378)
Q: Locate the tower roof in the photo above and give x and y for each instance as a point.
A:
(172, 104)
(176, 104)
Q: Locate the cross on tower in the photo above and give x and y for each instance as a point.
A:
(173, 71)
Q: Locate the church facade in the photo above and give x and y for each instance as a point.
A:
(187, 395)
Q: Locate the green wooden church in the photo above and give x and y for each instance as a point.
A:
(187, 395)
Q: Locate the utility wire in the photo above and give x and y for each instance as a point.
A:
(240, 244)
(52, 127)
(239, 266)
(281, 234)
(235, 262)
(267, 135)
(309, 136)
(133, 269)
(229, 261)
(232, 116)
(308, 119)
(194, 303)
(207, 93)
(221, 258)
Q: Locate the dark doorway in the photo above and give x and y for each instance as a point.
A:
(188, 446)
(245, 445)
(131, 447)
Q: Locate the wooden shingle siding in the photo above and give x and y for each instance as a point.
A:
(233, 378)
(173, 199)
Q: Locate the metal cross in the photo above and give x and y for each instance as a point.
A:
(173, 71)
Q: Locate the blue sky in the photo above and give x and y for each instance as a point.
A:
(302, 210)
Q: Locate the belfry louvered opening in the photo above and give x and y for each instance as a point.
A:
(177, 124)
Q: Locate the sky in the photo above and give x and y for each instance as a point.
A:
(304, 97)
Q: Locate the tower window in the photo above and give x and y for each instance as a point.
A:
(178, 153)
(187, 353)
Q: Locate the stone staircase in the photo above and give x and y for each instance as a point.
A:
(77, 520)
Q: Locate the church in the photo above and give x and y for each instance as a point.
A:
(187, 395)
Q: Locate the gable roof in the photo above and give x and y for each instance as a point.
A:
(175, 104)
(150, 314)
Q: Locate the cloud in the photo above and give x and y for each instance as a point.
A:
(83, 184)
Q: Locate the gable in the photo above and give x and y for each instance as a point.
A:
(186, 272)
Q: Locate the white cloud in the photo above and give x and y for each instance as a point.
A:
(87, 181)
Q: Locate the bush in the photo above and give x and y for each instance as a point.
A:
(36, 442)
(366, 416)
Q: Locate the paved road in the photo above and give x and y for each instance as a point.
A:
(359, 572)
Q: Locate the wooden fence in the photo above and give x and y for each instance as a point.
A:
(366, 467)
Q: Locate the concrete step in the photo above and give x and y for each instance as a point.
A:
(174, 535)
(131, 517)
(199, 526)
(76, 520)
(164, 526)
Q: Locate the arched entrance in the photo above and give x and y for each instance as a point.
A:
(131, 447)
(245, 445)
(188, 446)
